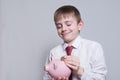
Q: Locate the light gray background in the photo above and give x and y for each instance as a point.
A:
(27, 33)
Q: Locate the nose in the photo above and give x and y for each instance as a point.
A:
(64, 28)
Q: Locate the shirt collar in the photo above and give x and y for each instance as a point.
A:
(75, 44)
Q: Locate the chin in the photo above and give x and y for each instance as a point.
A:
(67, 40)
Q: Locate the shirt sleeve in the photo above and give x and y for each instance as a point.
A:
(98, 69)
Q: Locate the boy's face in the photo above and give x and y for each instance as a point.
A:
(68, 28)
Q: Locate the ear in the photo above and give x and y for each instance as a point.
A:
(80, 25)
(52, 58)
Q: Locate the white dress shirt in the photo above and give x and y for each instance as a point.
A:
(91, 58)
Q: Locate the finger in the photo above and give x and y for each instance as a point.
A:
(68, 59)
(74, 63)
(72, 58)
(73, 67)
(76, 59)
(63, 58)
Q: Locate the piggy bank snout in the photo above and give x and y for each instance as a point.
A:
(50, 66)
(46, 68)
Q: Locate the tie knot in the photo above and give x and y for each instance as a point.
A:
(69, 50)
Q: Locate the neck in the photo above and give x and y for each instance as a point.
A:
(71, 42)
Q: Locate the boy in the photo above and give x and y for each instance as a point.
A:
(86, 59)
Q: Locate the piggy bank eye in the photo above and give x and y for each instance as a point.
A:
(54, 66)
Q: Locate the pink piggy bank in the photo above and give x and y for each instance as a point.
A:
(57, 68)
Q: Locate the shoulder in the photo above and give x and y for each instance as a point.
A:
(93, 48)
(91, 43)
(57, 51)
(56, 47)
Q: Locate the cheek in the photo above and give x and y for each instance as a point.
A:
(75, 31)
(77, 28)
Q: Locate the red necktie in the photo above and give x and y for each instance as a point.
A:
(69, 50)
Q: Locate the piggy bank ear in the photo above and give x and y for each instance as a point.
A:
(51, 58)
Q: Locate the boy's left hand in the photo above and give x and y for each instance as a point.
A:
(73, 62)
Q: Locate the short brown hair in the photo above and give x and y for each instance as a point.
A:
(67, 9)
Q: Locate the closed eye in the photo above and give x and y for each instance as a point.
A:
(58, 26)
(68, 23)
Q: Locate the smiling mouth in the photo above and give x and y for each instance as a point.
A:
(64, 34)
